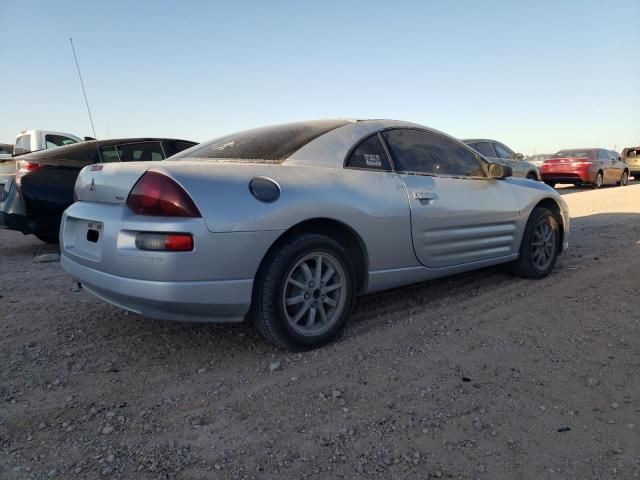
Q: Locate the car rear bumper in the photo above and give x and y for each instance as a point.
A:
(201, 301)
(211, 283)
(575, 176)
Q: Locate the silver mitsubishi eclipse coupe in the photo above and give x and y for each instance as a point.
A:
(287, 224)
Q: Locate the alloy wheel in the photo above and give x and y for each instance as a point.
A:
(314, 294)
(543, 244)
(625, 179)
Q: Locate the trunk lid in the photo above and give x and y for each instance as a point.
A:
(109, 182)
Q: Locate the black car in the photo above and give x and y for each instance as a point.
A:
(45, 180)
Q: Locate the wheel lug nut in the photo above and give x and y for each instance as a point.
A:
(322, 297)
(311, 284)
(314, 304)
(306, 296)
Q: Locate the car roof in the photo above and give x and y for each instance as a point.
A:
(81, 149)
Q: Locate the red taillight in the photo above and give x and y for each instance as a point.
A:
(172, 242)
(179, 242)
(25, 167)
(157, 195)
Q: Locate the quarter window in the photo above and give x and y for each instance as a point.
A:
(503, 152)
(54, 141)
(602, 155)
(370, 155)
(429, 153)
(140, 152)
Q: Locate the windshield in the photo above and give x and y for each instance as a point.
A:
(584, 152)
(263, 145)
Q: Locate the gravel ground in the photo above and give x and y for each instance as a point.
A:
(477, 376)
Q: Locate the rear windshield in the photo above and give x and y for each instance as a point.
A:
(264, 145)
(585, 152)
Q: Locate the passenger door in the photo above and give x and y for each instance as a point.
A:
(604, 161)
(458, 214)
(617, 166)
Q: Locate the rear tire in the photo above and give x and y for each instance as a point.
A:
(532, 176)
(551, 184)
(637, 177)
(599, 181)
(298, 304)
(540, 245)
(51, 239)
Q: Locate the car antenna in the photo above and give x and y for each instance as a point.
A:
(84, 92)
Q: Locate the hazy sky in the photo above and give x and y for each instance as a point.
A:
(538, 76)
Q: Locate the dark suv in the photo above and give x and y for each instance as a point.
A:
(45, 180)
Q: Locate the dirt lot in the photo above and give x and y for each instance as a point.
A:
(478, 376)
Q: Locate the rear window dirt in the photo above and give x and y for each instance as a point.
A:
(268, 144)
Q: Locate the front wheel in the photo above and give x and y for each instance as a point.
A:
(532, 176)
(304, 293)
(624, 180)
(540, 245)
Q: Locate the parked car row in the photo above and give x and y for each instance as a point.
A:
(45, 179)
(585, 166)
(287, 224)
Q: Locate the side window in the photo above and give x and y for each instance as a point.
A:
(602, 155)
(53, 141)
(109, 154)
(370, 155)
(425, 152)
(484, 148)
(503, 152)
(141, 152)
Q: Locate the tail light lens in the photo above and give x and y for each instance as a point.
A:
(25, 167)
(172, 242)
(580, 163)
(157, 195)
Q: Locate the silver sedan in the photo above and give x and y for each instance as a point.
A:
(287, 224)
(495, 151)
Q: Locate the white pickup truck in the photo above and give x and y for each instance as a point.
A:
(28, 141)
(32, 140)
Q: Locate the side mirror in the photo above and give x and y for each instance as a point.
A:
(497, 170)
(519, 156)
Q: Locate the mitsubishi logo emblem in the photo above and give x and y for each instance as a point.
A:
(92, 188)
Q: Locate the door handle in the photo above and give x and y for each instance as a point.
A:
(424, 196)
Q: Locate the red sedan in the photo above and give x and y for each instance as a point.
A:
(585, 166)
